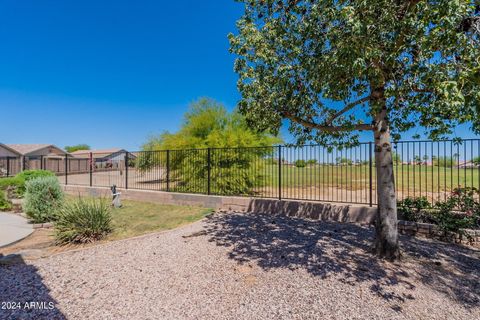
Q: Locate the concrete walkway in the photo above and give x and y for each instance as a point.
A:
(13, 228)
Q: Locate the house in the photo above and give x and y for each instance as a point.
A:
(105, 158)
(17, 157)
(9, 161)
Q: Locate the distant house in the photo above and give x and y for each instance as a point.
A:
(17, 157)
(6, 151)
(105, 158)
(37, 151)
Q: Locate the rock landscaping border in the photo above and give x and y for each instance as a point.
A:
(466, 236)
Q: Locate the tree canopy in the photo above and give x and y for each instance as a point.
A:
(327, 66)
(209, 124)
(77, 147)
(335, 67)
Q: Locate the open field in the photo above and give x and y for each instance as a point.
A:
(250, 266)
(342, 183)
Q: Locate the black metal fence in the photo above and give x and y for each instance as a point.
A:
(422, 168)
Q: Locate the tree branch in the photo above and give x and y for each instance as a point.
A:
(347, 108)
(325, 128)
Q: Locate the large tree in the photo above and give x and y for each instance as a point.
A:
(336, 67)
(235, 156)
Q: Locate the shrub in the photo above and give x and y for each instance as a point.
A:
(43, 199)
(413, 209)
(461, 210)
(13, 184)
(17, 183)
(5, 205)
(83, 221)
(300, 163)
(312, 162)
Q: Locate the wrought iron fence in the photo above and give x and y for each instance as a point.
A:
(422, 168)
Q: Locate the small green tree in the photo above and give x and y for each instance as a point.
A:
(77, 147)
(334, 67)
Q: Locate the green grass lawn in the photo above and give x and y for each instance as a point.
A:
(135, 218)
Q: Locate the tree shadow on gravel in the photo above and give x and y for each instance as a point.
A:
(327, 249)
(23, 295)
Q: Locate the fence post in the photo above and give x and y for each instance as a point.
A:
(90, 168)
(279, 172)
(208, 170)
(168, 170)
(126, 170)
(8, 166)
(370, 172)
(66, 169)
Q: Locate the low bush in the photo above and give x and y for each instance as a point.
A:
(5, 205)
(16, 184)
(83, 221)
(413, 209)
(43, 198)
(461, 210)
(312, 162)
(27, 175)
(300, 163)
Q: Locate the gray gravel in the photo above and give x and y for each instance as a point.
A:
(249, 267)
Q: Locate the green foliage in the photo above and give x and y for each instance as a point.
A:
(312, 162)
(459, 211)
(43, 199)
(17, 183)
(476, 161)
(444, 162)
(77, 147)
(209, 125)
(5, 205)
(330, 67)
(83, 221)
(413, 209)
(300, 163)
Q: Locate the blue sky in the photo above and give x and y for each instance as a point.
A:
(111, 73)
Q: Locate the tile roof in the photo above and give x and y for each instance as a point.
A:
(97, 151)
(28, 148)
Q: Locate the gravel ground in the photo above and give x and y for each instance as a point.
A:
(245, 266)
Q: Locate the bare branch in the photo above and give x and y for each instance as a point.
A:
(347, 108)
(325, 128)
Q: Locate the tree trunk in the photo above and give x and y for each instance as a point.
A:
(386, 240)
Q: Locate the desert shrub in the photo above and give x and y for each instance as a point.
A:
(300, 163)
(461, 210)
(17, 184)
(413, 209)
(43, 199)
(5, 205)
(12, 184)
(312, 162)
(83, 221)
